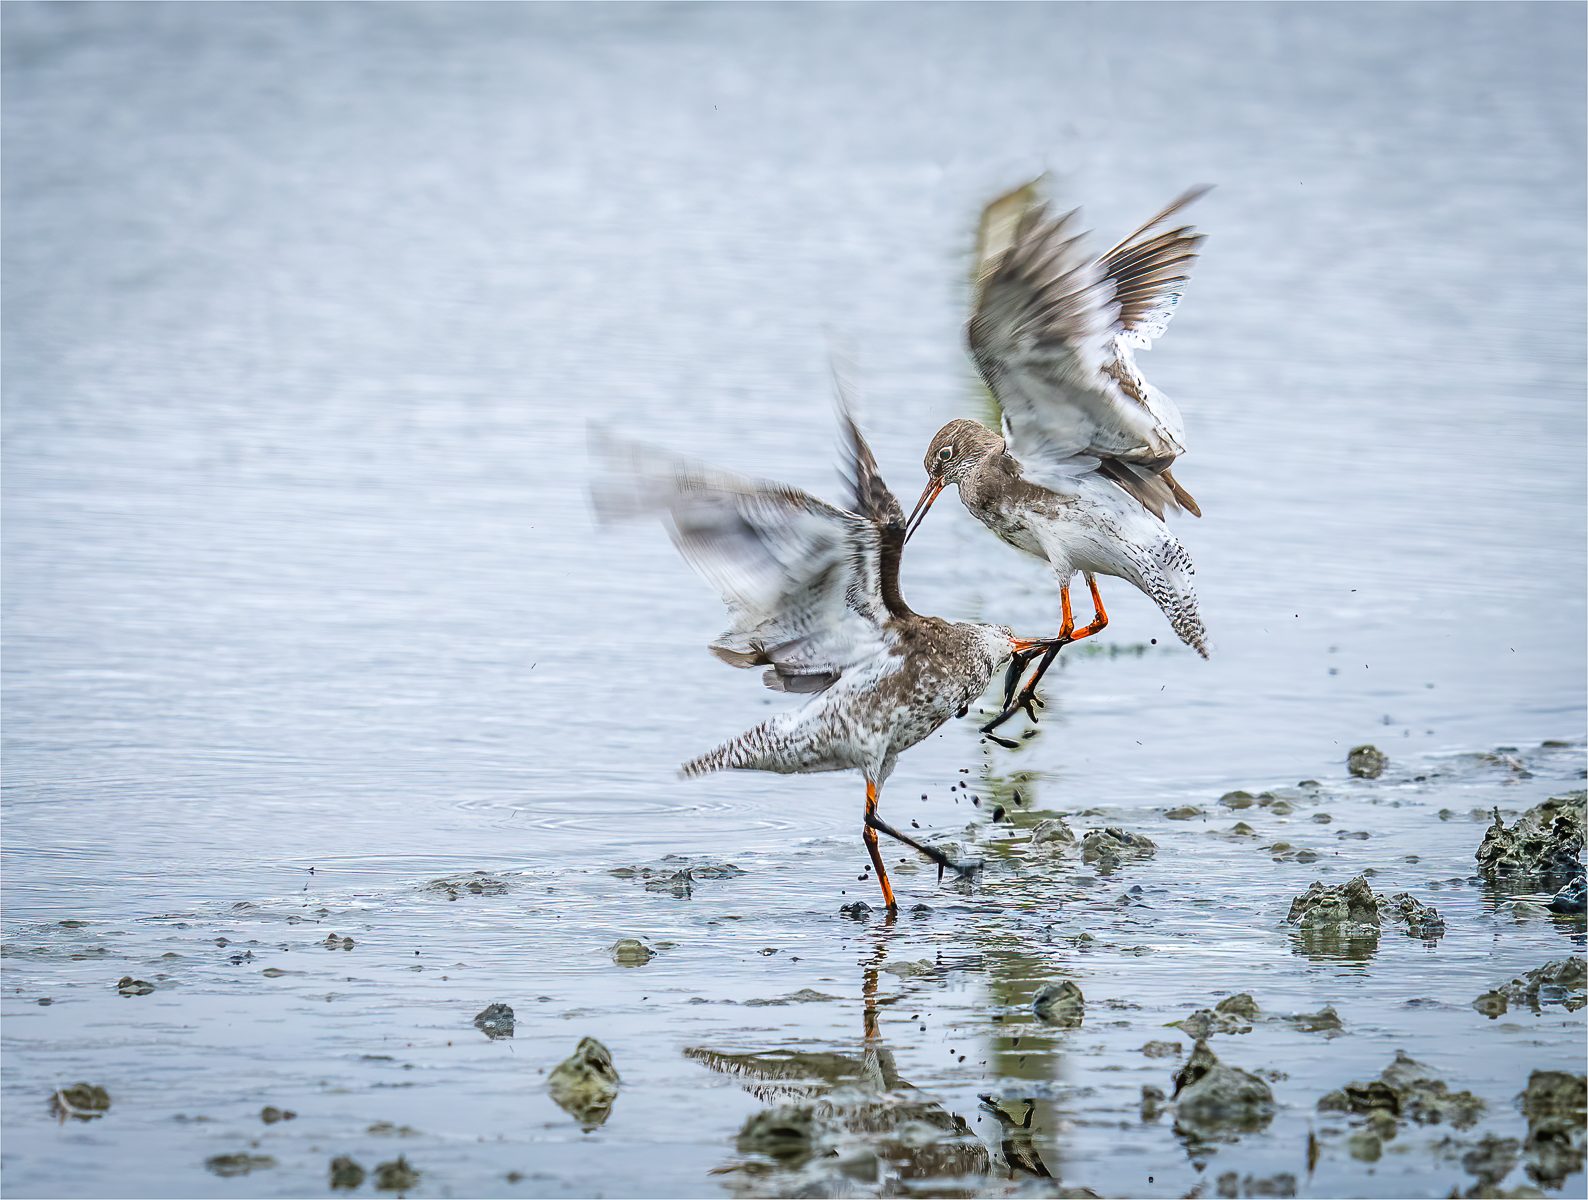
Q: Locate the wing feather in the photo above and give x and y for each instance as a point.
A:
(1052, 333)
(801, 578)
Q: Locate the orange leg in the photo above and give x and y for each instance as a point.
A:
(869, 836)
(1099, 615)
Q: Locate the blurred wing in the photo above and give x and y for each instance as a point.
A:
(1051, 333)
(799, 577)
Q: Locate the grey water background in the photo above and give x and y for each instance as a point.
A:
(307, 310)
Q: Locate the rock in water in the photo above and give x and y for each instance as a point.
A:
(585, 1083)
(1060, 1004)
(1546, 841)
(398, 1176)
(1406, 1090)
(82, 1101)
(1348, 917)
(1554, 1104)
(631, 952)
(1053, 833)
(1572, 899)
(1111, 846)
(495, 1021)
(1366, 762)
(1215, 1100)
(1564, 981)
(230, 1165)
(345, 1173)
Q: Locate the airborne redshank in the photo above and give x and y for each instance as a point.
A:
(812, 592)
(1080, 476)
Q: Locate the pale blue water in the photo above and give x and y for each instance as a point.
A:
(307, 310)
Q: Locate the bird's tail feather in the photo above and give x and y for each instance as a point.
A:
(750, 749)
(1168, 577)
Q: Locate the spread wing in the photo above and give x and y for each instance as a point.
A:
(802, 579)
(1052, 333)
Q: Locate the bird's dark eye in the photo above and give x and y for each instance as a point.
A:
(946, 453)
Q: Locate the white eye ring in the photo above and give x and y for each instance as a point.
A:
(946, 453)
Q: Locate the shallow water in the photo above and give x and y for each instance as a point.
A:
(307, 311)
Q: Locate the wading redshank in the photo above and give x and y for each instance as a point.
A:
(1080, 476)
(812, 592)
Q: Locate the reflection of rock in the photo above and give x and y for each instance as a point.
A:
(1233, 1014)
(82, 1101)
(495, 1021)
(1545, 842)
(1366, 762)
(1406, 1090)
(1564, 981)
(1554, 1104)
(1215, 1101)
(1346, 918)
(1490, 1160)
(1060, 1004)
(1111, 846)
(585, 1083)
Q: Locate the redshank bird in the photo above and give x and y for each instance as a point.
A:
(812, 592)
(1080, 476)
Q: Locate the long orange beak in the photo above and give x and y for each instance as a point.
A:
(1022, 645)
(934, 488)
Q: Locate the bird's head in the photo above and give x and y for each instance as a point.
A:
(955, 451)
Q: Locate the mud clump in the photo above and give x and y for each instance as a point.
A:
(1348, 917)
(1233, 1014)
(1545, 843)
(1109, 847)
(1421, 920)
(1554, 1104)
(1405, 1090)
(229, 1165)
(1162, 1049)
(1052, 833)
(676, 875)
(585, 1084)
(1366, 762)
(495, 1021)
(1060, 1004)
(1217, 1101)
(474, 883)
(857, 910)
(631, 952)
(128, 986)
(333, 942)
(1564, 982)
(81, 1101)
(270, 1114)
(1325, 1021)
(396, 1176)
(345, 1173)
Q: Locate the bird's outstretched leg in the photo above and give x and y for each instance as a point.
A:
(868, 834)
(1067, 634)
(943, 861)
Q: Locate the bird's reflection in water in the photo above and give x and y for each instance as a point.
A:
(839, 1124)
